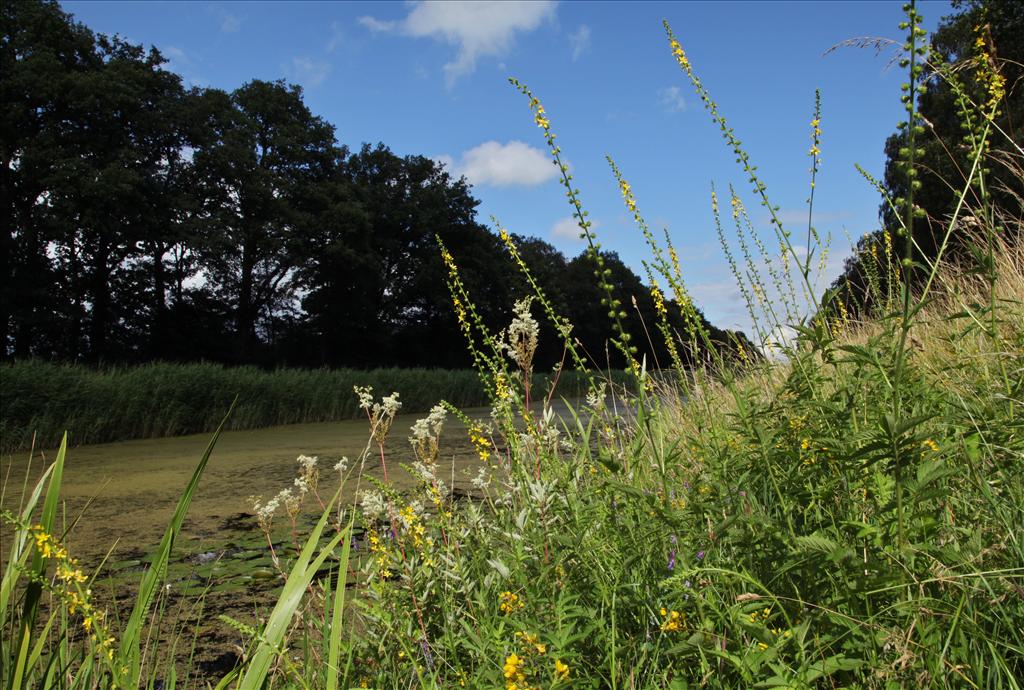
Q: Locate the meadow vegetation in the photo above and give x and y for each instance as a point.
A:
(844, 512)
(98, 405)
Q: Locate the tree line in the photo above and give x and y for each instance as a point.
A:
(975, 69)
(144, 221)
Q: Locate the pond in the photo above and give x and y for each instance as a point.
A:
(121, 496)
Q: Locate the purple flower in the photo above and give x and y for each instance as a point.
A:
(700, 555)
(426, 654)
(672, 560)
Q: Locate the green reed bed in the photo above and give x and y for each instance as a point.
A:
(846, 512)
(155, 400)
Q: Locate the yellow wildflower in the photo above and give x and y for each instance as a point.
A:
(673, 621)
(509, 602)
(512, 668)
(680, 55)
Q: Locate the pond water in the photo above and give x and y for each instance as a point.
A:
(123, 495)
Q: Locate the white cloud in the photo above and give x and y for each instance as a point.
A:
(566, 229)
(579, 40)
(477, 29)
(174, 53)
(445, 161)
(374, 24)
(309, 72)
(229, 23)
(337, 37)
(503, 165)
(720, 297)
(671, 98)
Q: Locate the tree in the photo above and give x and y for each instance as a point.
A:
(985, 37)
(146, 221)
(91, 146)
(258, 169)
(375, 287)
(42, 55)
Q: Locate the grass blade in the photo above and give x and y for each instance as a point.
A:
(338, 614)
(291, 596)
(128, 652)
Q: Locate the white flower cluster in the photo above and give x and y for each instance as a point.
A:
(308, 474)
(482, 479)
(521, 335)
(307, 463)
(431, 425)
(424, 471)
(426, 435)
(342, 465)
(381, 413)
(265, 511)
(373, 504)
(365, 394)
(387, 407)
(528, 444)
(290, 499)
(390, 405)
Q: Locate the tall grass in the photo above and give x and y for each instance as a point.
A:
(154, 400)
(847, 513)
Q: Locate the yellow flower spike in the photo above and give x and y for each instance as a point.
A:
(561, 669)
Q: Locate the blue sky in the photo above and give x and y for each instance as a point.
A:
(431, 79)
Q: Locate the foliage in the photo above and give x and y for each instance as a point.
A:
(42, 399)
(845, 514)
(973, 77)
(145, 221)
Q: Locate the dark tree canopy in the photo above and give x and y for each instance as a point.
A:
(983, 35)
(144, 220)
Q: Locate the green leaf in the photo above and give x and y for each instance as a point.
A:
(128, 652)
(337, 615)
(301, 575)
(816, 542)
